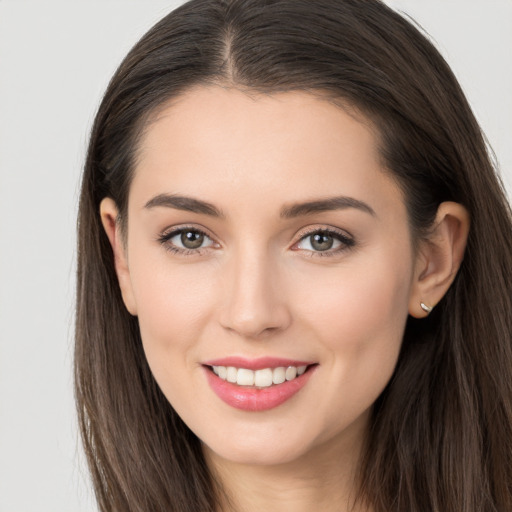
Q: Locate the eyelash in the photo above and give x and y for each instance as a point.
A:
(165, 239)
(346, 241)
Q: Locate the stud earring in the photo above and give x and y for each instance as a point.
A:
(427, 309)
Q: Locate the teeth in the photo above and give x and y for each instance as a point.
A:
(231, 374)
(222, 372)
(279, 375)
(291, 373)
(245, 377)
(260, 378)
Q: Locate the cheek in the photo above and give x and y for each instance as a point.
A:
(173, 303)
(359, 312)
(358, 320)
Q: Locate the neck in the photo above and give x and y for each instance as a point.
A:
(325, 478)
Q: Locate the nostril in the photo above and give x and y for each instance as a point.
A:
(254, 304)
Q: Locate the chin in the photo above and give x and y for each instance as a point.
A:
(272, 444)
(254, 454)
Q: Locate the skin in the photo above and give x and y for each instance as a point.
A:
(257, 287)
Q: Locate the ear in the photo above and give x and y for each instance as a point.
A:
(439, 258)
(109, 218)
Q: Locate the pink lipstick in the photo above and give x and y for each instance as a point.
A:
(257, 384)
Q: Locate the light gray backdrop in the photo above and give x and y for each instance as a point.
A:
(55, 60)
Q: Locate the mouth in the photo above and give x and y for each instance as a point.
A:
(257, 385)
(263, 378)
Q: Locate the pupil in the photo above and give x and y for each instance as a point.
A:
(192, 239)
(321, 242)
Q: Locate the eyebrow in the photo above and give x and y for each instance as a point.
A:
(324, 205)
(190, 204)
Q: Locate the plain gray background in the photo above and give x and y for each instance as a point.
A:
(56, 58)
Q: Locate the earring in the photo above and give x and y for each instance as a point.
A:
(427, 309)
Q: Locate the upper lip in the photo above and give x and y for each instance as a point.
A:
(256, 364)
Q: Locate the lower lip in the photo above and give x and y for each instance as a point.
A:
(256, 399)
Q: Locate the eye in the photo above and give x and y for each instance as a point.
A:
(186, 240)
(325, 241)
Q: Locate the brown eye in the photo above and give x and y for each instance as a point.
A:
(325, 241)
(192, 239)
(185, 240)
(321, 241)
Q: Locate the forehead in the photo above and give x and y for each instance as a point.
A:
(214, 141)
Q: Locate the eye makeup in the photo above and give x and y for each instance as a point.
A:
(325, 241)
(317, 241)
(186, 235)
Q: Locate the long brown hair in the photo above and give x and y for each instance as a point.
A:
(440, 438)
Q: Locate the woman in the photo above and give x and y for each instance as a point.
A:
(294, 271)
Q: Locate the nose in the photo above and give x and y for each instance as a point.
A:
(254, 300)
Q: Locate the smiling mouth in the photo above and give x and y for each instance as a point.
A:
(267, 383)
(263, 378)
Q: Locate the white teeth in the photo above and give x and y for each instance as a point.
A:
(260, 378)
(291, 373)
(245, 377)
(279, 375)
(231, 374)
(263, 378)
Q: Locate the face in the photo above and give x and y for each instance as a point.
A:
(267, 246)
